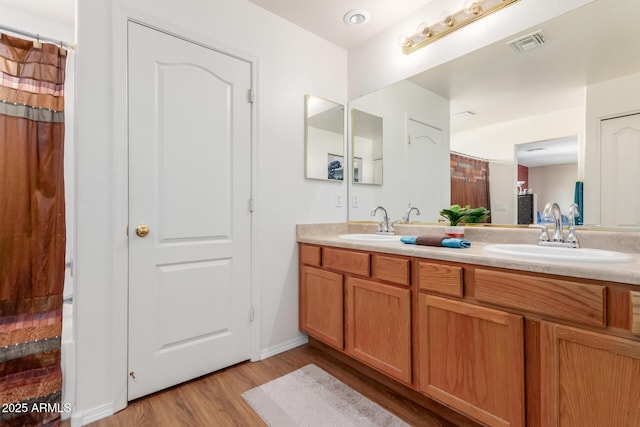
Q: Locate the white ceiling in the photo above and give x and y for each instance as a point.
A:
(557, 151)
(324, 17)
(58, 10)
(592, 44)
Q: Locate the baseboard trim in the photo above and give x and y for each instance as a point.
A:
(81, 418)
(265, 353)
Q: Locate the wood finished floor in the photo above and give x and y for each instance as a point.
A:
(214, 400)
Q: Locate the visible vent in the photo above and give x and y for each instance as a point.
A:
(530, 150)
(528, 42)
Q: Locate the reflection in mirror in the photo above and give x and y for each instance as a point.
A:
(324, 139)
(366, 140)
(538, 95)
(547, 170)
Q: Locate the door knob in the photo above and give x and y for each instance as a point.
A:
(142, 230)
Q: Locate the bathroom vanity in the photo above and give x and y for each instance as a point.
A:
(504, 342)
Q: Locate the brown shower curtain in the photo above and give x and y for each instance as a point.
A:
(470, 182)
(32, 231)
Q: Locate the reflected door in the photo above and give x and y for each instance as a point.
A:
(619, 159)
(189, 224)
(427, 167)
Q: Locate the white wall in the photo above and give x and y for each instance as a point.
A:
(379, 61)
(554, 183)
(395, 104)
(608, 99)
(496, 142)
(291, 62)
(502, 192)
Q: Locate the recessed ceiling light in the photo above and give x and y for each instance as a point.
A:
(356, 17)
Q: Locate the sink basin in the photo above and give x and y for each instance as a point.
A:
(549, 253)
(372, 238)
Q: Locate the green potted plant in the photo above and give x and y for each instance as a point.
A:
(462, 215)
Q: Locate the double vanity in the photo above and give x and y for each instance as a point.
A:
(504, 338)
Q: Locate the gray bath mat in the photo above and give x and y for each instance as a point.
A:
(310, 397)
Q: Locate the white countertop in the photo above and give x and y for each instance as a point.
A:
(628, 273)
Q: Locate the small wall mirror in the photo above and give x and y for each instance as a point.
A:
(366, 148)
(324, 139)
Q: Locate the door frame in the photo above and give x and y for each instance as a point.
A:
(121, 16)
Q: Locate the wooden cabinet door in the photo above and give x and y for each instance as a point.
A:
(472, 359)
(321, 305)
(588, 379)
(379, 326)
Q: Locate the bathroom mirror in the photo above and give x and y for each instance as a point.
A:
(546, 170)
(366, 148)
(324, 139)
(496, 98)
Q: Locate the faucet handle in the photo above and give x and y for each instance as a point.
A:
(572, 237)
(544, 232)
(574, 212)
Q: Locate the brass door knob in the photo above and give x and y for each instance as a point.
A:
(142, 230)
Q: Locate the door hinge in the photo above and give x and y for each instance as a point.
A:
(251, 95)
(252, 314)
(251, 205)
(126, 231)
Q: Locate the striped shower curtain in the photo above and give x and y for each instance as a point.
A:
(32, 231)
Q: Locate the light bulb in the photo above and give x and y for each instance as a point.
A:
(424, 29)
(405, 41)
(472, 7)
(447, 19)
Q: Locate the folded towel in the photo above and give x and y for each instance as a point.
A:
(448, 242)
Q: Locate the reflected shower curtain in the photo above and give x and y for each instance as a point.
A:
(470, 182)
(32, 231)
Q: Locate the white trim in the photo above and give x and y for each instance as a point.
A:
(285, 346)
(81, 418)
(122, 14)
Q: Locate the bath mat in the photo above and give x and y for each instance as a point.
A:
(311, 397)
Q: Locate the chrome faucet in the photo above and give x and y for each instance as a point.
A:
(552, 211)
(574, 211)
(383, 227)
(407, 214)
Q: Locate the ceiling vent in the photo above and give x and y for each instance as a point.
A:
(528, 42)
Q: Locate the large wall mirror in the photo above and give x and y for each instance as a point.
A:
(508, 107)
(324, 139)
(366, 146)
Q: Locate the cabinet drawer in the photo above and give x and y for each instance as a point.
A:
(562, 299)
(444, 279)
(347, 261)
(391, 269)
(311, 255)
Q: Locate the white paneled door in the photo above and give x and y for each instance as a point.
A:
(189, 220)
(620, 175)
(425, 161)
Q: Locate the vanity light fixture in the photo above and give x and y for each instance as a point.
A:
(356, 17)
(449, 22)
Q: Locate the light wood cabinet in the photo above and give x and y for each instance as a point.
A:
(588, 379)
(321, 305)
(472, 359)
(502, 347)
(379, 326)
